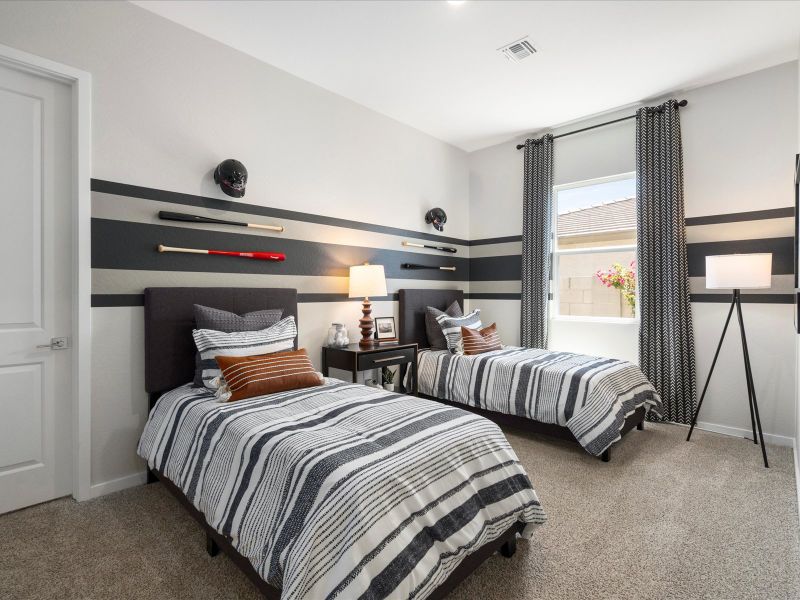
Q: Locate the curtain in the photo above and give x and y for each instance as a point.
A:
(666, 340)
(537, 225)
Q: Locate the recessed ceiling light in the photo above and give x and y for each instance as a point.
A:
(455, 2)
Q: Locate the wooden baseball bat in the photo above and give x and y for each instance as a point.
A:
(440, 248)
(416, 266)
(273, 256)
(173, 216)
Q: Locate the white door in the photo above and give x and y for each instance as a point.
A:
(35, 289)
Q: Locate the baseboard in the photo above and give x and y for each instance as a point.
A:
(797, 471)
(770, 438)
(116, 485)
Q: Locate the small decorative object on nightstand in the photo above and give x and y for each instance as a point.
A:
(337, 335)
(385, 330)
(355, 358)
(367, 280)
(737, 272)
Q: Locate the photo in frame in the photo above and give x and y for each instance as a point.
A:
(385, 328)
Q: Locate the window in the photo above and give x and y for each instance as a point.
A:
(594, 252)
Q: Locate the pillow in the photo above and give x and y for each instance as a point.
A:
(211, 344)
(451, 327)
(217, 319)
(478, 341)
(432, 328)
(206, 317)
(250, 376)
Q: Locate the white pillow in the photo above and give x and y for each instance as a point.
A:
(210, 343)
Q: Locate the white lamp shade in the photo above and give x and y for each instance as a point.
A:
(739, 271)
(367, 280)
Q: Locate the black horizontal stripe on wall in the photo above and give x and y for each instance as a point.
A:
(782, 250)
(130, 245)
(135, 191)
(496, 240)
(746, 298)
(753, 215)
(509, 268)
(496, 268)
(106, 300)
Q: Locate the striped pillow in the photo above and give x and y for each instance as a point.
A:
(250, 376)
(480, 341)
(451, 327)
(211, 344)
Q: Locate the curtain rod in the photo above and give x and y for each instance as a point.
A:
(555, 137)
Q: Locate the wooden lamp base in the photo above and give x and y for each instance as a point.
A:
(367, 324)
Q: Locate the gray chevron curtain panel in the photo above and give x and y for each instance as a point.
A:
(666, 339)
(537, 237)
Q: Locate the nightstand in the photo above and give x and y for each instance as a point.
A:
(353, 358)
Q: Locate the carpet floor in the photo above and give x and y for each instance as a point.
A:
(664, 519)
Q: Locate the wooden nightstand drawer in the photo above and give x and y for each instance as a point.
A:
(387, 358)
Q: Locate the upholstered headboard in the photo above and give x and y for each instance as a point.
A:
(412, 312)
(169, 319)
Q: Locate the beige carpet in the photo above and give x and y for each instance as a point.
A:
(665, 519)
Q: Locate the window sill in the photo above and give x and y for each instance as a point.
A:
(605, 320)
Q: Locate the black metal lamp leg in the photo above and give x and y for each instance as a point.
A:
(711, 370)
(750, 385)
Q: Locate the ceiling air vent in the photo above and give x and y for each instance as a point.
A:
(518, 50)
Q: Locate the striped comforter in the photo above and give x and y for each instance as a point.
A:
(342, 490)
(589, 395)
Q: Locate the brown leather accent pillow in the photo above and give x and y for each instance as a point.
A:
(478, 341)
(249, 376)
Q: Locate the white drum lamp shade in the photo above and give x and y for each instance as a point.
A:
(739, 271)
(366, 281)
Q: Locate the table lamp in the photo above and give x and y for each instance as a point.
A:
(737, 272)
(367, 280)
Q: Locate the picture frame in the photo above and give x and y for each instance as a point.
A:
(385, 328)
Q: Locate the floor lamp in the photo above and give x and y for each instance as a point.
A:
(738, 272)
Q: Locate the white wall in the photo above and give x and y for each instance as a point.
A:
(168, 105)
(739, 140)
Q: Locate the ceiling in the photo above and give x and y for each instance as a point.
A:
(434, 65)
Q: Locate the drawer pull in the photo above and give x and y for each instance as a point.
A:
(380, 360)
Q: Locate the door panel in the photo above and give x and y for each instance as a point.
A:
(35, 289)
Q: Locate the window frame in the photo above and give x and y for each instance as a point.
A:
(555, 253)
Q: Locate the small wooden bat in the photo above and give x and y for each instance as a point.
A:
(415, 266)
(274, 256)
(173, 216)
(440, 248)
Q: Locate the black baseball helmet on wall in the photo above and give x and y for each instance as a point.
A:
(231, 175)
(436, 217)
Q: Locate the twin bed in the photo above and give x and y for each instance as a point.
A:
(339, 490)
(347, 491)
(590, 400)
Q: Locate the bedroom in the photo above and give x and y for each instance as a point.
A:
(161, 93)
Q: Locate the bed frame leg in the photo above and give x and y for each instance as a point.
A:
(211, 545)
(151, 477)
(640, 425)
(510, 547)
(606, 456)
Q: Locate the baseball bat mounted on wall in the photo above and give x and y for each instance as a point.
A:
(270, 256)
(416, 266)
(439, 248)
(187, 218)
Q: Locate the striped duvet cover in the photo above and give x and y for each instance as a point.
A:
(589, 395)
(342, 491)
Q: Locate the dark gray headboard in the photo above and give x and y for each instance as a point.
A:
(412, 312)
(169, 319)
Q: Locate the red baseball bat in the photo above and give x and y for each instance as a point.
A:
(275, 256)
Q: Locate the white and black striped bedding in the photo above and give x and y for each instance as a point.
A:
(591, 396)
(342, 490)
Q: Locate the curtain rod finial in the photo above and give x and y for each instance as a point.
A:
(683, 102)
